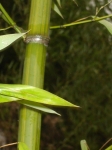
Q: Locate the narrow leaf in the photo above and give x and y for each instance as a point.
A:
(34, 105)
(107, 24)
(75, 2)
(22, 146)
(83, 145)
(59, 2)
(38, 106)
(4, 99)
(6, 40)
(56, 9)
(34, 94)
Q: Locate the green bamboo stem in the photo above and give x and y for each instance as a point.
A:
(33, 74)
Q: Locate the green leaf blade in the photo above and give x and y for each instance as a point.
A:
(83, 145)
(4, 99)
(56, 9)
(38, 107)
(109, 148)
(75, 2)
(34, 94)
(59, 2)
(6, 40)
(105, 23)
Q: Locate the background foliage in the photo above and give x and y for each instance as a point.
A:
(78, 68)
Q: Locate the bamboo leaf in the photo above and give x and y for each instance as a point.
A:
(38, 106)
(22, 146)
(107, 24)
(56, 9)
(75, 2)
(109, 148)
(33, 94)
(59, 2)
(6, 40)
(83, 145)
(4, 99)
(33, 105)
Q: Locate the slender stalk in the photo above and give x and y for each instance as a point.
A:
(33, 74)
(94, 19)
(8, 19)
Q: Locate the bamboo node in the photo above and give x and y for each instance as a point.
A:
(40, 39)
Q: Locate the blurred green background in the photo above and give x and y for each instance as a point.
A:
(78, 68)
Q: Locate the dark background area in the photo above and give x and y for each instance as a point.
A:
(78, 68)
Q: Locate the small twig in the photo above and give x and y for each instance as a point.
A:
(9, 144)
(8, 19)
(81, 22)
(98, 10)
(82, 19)
(6, 28)
(105, 144)
(75, 2)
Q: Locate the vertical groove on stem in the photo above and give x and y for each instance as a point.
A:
(33, 74)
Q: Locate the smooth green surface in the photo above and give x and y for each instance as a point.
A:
(59, 2)
(35, 59)
(107, 24)
(22, 146)
(83, 145)
(83, 76)
(4, 98)
(34, 94)
(31, 97)
(33, 105)
(39, 107)
(109, 148)
(40, 17)
(6, 40)
(56, 9)
(33, 74)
